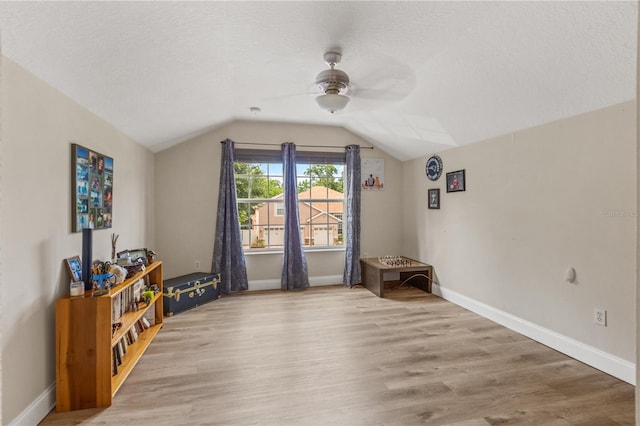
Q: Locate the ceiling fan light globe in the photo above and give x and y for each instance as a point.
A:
(332, 102)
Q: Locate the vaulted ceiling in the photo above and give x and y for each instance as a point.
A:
(427, 76)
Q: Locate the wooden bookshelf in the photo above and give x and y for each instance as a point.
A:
(85, 342)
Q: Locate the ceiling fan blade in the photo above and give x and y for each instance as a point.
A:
(393, 94)
(287, 96)
(393, 81)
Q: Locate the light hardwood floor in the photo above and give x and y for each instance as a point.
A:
(337, 356)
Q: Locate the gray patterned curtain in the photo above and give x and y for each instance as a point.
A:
(228, 256)
(352, 273)
(294, 264)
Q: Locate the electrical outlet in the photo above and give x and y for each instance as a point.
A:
(197, 265)
(600, 316)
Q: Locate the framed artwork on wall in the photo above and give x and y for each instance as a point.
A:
(456, 181)
(92, 189)
(434, 198)
(372, 174)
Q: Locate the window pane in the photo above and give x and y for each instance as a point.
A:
(304, 212)
(260, 169)
(323, 235)
(275, 170)
(323, 189)
(258, 187)
(301, 168)
(240, 169)
(244, 214)
(303, 185)
(258, 238)
(242, 186)
(279, 209)
(340, 238)
(259, 211)
(275, 235)
(319, 212)
(335, 208)
(305, 235)
(276, 186)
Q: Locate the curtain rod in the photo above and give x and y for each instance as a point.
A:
(304, 146)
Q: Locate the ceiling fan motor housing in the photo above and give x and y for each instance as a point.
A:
(333, 81)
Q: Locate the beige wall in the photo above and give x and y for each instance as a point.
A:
(538, 202)
(39, 124)
(187, 177)
(1, 245)
(637, 298)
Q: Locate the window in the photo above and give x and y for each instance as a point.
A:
(320, 203)
(260, 190)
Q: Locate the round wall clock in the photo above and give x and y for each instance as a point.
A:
(434, 167)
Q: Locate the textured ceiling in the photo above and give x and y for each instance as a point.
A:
(427, 75)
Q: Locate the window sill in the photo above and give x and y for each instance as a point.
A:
(255, 252)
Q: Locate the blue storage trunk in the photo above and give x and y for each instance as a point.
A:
(188, 291)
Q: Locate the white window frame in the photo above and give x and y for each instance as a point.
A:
(272, 157)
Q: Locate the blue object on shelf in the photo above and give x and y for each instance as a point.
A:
(102, 284)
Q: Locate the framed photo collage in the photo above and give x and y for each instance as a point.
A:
(92, 189)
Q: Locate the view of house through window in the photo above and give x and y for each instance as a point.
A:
(260, 192)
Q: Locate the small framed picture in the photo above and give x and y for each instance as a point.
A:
(434, 198)
(138, 254)
(74, 268)
(133, 254)
(456, 181)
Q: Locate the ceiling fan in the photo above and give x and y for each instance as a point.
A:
(387, 84)
(334, 84)
(376, 86)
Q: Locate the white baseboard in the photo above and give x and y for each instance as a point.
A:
(313, 282)
(610, 364)
(325, 280)
(38, 409)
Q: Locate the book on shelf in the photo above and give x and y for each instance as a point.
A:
(126, 300)
(150, 315)
(134, 332)
(137, 289)
(114, 359)
(116, 356)
(145, 323)
(139, 327)
(130, 336)
(120, 351)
